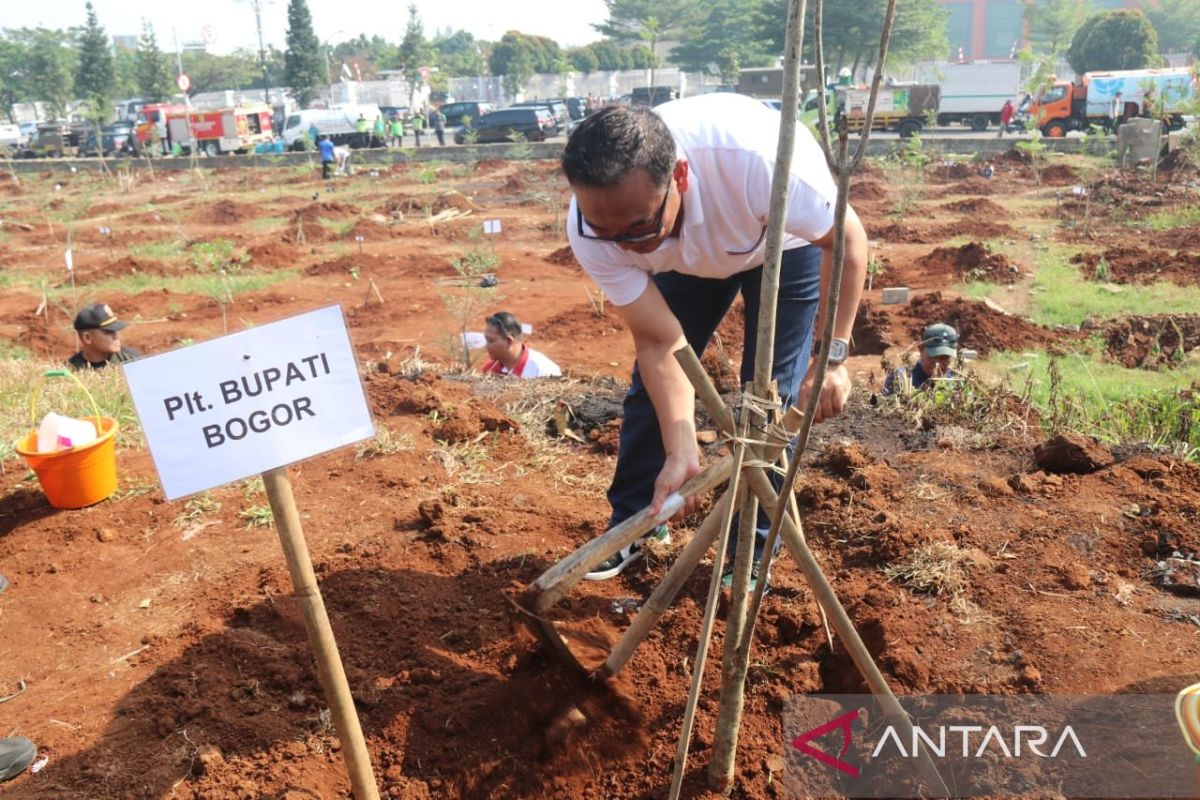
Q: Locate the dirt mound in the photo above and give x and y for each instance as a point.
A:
(582, 320)
(957, 171)
(347, 265)
(870, 335)
(515, 184)
(324, 209)
(1177, 161)
(453, 200)
(977, 205)
(887, 230)
(1136, 265)
(1165, 341)
(459, 417)
(273, 255)
(973, 185)
(1059, 175)
(979, 327)
(977, 227)
(867, 190)
(226, 212)
(125, 265)
(971, 261)
(564, 257)
(11, 188)
(1072, 453)
(371, 230)
(1014, 156)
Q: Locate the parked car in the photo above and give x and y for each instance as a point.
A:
(576, 107)
(652, 95)
(465, 113)
(534, 123)
(116, 139)
(557, 108)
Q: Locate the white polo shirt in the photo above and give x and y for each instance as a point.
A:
(729, 141)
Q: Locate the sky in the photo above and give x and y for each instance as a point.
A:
(229, 24)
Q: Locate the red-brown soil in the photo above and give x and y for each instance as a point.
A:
(1162, 341)
(166, 656)
(971, 261)
(979, 327)
(1139, 265)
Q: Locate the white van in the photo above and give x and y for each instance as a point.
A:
(338, 122)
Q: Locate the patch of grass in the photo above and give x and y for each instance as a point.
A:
(193, 284)
(934, 568)
(1179, 217)
(386, 442)
(196, 507)
(1114, 403)
(258, 516)
(11, 351)
(163, 250)
(63, 396)
(339, 229)
(465, 462)
(1063, 296)
(265, 223)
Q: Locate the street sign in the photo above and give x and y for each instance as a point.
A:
(183, 82)
(249, 402)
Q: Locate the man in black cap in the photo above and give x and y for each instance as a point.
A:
(100, 339)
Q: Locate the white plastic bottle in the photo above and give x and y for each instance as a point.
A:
(62, 433)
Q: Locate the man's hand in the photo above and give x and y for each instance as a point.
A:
(676, 470)
(835, 391)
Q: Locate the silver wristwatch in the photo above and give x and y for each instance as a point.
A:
(839, 351)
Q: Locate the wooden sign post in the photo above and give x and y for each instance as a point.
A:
(251, 403)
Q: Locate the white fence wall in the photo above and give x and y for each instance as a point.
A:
(577, 84)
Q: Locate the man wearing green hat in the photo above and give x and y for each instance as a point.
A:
(939, 348)
(100, 339)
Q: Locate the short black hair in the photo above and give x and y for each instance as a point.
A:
(616, 140)
(506, 323)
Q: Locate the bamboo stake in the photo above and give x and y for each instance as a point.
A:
(738, 493)
(793, 539)
(663, 594)
(320, 634)
(554, 583)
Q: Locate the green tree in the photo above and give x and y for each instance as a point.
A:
(852, 30)
(517, 51)
(583, 59)
(459, 54)
(50, 70)
(303, 61)
(1052, 23)
(723, 40)
(1177, 23)
(648, 21)
(1121, 39)
(14, 61)
(367, 55)
(210, 72)
(151, 72)
(414, 50)
(94, 74)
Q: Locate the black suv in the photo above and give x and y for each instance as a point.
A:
(557, 109)
(535, 124)
(465, 113)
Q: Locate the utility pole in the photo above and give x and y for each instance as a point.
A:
(262, 50)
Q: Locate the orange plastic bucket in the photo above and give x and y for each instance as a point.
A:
(80, 476)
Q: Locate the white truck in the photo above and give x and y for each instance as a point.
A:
(973, 94)
(340, 123)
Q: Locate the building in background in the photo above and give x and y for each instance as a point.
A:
(993, 29)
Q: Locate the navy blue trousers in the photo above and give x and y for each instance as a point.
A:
(700, 304)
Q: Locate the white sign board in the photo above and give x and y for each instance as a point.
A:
(491, 226)
(244, 403)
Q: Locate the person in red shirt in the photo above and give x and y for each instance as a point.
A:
(509, 355)
(1006, 115)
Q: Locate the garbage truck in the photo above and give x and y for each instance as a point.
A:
(1109, 98)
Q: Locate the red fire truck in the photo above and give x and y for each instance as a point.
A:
(152, 123)
(221, 130)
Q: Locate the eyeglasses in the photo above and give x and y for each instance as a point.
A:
(627, 237)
